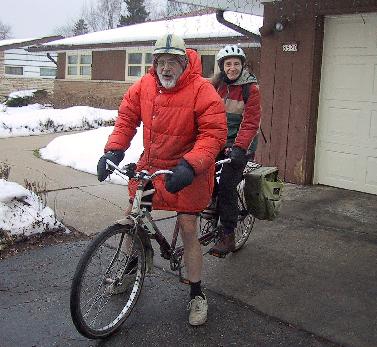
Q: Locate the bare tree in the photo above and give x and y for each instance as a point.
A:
(178, 8)
(65, 30)
(166, 9)
(5, 31)
(157, 8)
(103, 15)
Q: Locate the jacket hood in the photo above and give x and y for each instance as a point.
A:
(245, 78)
(193, 70)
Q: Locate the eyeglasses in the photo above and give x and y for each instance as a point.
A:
(167, 63)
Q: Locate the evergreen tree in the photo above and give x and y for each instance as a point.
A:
(80, 28)
(136, 13)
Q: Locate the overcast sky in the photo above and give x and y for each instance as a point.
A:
(35, 18)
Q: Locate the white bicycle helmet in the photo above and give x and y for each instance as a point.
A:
(230, 51)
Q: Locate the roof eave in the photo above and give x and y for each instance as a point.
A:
(100, 46)
(39, 41)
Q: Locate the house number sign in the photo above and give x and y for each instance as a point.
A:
(290, 47)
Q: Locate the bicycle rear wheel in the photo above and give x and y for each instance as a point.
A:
(245, 221)
(107, 282)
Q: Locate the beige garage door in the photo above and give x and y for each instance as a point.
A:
(346, 149)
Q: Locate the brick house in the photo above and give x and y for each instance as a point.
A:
(97, 68)
(20, 69)
(318, 76)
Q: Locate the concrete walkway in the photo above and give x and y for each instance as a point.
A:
(314, 268)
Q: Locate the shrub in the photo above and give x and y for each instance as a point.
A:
(19, 99)
(4, 170)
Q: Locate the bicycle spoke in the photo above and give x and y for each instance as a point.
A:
(108, 283)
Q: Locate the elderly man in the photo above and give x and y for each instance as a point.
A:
(184, 126)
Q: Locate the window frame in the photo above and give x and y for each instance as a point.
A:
(213, 52)
(13, 66)
(143, 64)
(78, 65)
(47, 68)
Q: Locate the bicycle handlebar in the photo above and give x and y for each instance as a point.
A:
(131, 173)
(224, 161)
(145, 175)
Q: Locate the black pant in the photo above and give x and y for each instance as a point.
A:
(226, 190)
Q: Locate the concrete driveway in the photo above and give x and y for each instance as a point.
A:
(313, 268)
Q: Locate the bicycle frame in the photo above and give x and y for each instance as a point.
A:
(141, 220)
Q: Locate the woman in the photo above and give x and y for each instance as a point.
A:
(243, 120)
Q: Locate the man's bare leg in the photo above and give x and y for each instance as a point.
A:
(192, 249)
(198, 305)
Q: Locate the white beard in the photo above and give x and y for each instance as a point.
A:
(169, 84)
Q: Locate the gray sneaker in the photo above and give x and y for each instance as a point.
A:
(198, 308)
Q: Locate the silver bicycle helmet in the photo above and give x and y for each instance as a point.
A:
(171, 44)
(230, 51)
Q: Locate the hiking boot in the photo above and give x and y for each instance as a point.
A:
(198, 308)
(223, 246)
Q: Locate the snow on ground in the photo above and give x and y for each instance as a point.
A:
(37, 119)
(81, 151)
(21, 211)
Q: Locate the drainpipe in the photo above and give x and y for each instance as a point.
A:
(220, 18)
(52, 59)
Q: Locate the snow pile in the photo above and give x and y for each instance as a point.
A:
(37, 119)
(22, 94)
(81, 151)
(23, 213)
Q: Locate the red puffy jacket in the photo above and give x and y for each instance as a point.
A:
(187, 121)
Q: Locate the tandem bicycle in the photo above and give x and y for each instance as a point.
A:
(109, 276)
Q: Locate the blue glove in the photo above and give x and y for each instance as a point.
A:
(115, 156)
(238, 156)
(183, 175)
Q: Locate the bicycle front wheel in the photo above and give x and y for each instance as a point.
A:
(107, 282)
(245, 220)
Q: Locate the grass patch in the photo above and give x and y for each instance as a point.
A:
(37, 153)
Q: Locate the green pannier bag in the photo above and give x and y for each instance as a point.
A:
(262, 192)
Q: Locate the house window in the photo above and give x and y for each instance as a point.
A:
(209, 64)
(47, 71)
(79, 65)
(14, 70)
(138, 64)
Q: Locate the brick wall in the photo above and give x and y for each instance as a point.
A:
(12, 84)
(103, 94)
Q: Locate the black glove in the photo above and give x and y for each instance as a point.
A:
(115, 156)
(238, 156)
(183, 175)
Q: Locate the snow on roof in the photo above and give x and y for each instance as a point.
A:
(204, 26)
(14, 41)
